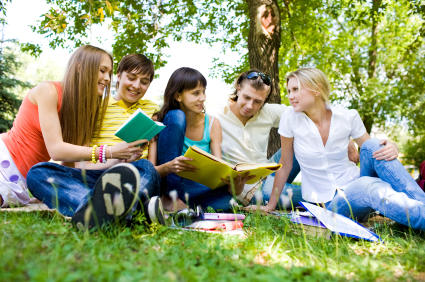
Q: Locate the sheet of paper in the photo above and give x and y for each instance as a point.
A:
(338, 223)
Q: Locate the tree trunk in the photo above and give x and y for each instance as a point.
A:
(373, 52)
(373, 55)
(263, 45)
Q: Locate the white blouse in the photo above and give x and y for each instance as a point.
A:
(327, 167)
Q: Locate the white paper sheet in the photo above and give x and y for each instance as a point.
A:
(339, 224)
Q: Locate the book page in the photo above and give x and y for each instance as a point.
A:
(248, 166)
(143, 112)
(208, 155)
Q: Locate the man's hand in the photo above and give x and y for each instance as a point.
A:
(389, 152)
(238, 182)
(353, 153)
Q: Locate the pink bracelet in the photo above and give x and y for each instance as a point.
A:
(100, 153)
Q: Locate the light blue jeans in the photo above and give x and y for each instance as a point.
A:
(385, 186)
(267, 186)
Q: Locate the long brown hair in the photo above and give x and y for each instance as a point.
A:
(82, 106)
(182, 79)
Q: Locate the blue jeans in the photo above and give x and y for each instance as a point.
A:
(170, 146)
(267, 185)
(384, 186)
(70, 190)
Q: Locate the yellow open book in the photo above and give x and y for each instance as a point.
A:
(211, 168)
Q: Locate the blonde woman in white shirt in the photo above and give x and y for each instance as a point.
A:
(318, 132)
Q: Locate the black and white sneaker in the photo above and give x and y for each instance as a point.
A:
(114, 194)
(154, 211)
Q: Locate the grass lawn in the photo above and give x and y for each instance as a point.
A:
(45, 247)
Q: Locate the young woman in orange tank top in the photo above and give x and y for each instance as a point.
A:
(56, 121)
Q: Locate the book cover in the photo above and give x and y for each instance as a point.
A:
(211, 168)
(139, 126)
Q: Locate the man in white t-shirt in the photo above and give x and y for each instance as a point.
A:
(246, 122)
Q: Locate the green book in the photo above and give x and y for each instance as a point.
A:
(139, 126)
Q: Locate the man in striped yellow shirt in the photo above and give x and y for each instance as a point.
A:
(116, 114)
(134, 75)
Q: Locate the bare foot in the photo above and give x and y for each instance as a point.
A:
(167, 203)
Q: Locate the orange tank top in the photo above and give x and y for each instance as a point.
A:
(24, 140)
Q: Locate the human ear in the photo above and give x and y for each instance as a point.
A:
(178, 97)
(118, 77)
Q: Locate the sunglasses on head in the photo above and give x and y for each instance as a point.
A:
(255, 74)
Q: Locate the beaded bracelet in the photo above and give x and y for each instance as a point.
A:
(104, 154)
(93, 154)
(100, 153)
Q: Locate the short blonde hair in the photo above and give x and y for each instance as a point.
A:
(312, 79)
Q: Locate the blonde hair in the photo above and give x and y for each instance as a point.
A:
(312, 79)
(82, 107)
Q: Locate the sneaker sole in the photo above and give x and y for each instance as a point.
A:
(114, 195)
(156, 211)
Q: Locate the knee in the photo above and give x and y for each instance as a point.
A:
(36, 168)
(371, 145)
(37, 171)
(373, 186)
(175, 117)
(146, 168)
(144, 165)
(366, 182)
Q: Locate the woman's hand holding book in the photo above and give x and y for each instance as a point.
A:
(178, 165)
(125, 151)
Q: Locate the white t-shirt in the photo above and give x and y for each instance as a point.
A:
(327, 167)
(248, 143)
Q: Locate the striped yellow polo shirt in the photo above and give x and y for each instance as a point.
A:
(116, 114)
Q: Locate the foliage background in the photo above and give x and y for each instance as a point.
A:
(372, 50)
